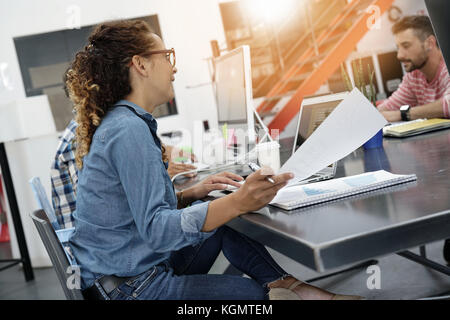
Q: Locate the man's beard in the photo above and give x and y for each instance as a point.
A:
(416, 65)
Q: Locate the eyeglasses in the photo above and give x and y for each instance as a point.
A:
(170, 55)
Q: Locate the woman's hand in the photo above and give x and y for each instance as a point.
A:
(257, 191)
(211, 183)
(172, 153)
(254, 194)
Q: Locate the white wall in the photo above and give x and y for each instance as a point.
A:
(186, 25)
(26, 165)
(382, 40)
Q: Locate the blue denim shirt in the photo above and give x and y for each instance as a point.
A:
(126, 219)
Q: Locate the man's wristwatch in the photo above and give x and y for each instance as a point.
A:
(405, 112)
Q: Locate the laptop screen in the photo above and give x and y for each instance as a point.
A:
(312, 114)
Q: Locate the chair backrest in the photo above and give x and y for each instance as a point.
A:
(43, 202)
(70, 280)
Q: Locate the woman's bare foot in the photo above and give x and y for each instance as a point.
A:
(303, 290)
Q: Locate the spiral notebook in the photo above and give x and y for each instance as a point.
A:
(306, 195)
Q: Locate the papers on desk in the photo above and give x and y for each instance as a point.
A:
(305, 195)
(352, 123)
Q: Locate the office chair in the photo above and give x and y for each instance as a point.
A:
(43, 202)
(63, 234)
(58, 256)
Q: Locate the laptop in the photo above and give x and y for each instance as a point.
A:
(313, 112)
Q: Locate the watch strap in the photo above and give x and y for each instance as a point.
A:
(405, 114)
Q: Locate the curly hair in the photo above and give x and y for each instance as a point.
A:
(99, 75)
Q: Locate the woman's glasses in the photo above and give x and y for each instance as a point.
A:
(170, 55)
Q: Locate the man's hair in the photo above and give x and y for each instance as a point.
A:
(420, 24)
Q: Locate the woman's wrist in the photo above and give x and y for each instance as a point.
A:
(186, 197)
(234, 204)
(182, 201)
(220, 211)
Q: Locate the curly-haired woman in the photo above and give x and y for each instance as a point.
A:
(135, 238)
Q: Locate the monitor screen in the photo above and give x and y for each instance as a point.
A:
(230, 88)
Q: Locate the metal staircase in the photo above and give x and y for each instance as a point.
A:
(321, 59)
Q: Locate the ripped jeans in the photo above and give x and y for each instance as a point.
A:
(184, 275)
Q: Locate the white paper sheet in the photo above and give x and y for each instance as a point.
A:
(352, 123)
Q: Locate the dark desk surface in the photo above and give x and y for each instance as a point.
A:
(390, 220)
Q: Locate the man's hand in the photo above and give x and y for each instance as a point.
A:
(392, 116)
(428, 111)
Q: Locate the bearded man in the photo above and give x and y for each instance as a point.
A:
(425, 89)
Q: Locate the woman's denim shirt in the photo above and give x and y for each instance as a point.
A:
(126, 219)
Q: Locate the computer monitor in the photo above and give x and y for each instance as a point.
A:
(234, 92)
(439, 11)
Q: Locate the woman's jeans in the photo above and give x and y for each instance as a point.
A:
(184, 276)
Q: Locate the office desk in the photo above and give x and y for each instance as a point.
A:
(387, 221)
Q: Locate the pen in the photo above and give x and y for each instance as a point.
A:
(254, 167)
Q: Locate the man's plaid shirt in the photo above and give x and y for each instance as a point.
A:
(64, 177)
